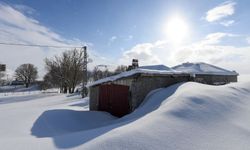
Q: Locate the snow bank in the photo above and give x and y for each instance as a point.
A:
(203, 68)
(185, 116)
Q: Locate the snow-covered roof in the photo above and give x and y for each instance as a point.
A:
(203, 68)
(185, 68)
(157, 69)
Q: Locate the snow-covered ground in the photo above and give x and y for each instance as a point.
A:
(18, 88)
(22, 91)
(183, 116)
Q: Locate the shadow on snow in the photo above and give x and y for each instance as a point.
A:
(70, 128)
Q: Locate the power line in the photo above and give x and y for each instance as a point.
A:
(55, 46)
(38, 45)
(110, 63)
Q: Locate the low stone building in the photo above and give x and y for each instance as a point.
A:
(123, 93)
(207, 73)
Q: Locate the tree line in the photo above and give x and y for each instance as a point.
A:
(25, 74)
(64, 71)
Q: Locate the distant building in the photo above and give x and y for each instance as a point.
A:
(123, 93)
(207, 74)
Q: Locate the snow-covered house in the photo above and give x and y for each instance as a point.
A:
(122, 93)
(207, 73)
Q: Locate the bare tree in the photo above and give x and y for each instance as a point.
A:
(1, 75)
(120, 69)
(99, 74)
(1, 78)
(75, 68)
(48, 82)
(66, 70)
(26, 73)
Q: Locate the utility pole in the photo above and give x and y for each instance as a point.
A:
(84, 80)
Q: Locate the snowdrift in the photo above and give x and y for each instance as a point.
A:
(183, 116)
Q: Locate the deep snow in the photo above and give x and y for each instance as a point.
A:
(183, 116)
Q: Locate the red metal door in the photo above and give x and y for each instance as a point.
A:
(104, 98)
(114, 99)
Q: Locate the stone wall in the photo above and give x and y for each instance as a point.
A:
(93, 97)
(142, 85)
(215, 79)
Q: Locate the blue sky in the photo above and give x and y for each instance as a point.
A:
(119, 30)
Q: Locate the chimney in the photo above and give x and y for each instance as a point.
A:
(2, 67)
(135, 63)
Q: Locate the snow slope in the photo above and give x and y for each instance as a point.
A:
(183, 116)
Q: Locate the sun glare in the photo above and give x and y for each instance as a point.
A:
(176, 29)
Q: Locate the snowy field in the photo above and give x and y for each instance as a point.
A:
(183, 116)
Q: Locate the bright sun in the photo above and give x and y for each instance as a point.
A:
(176, 29)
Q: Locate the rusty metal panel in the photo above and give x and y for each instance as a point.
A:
(119, 100)
(104, 98)
(114, 99)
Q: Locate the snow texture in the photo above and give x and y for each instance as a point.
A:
(203, 68)
(185, 116)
